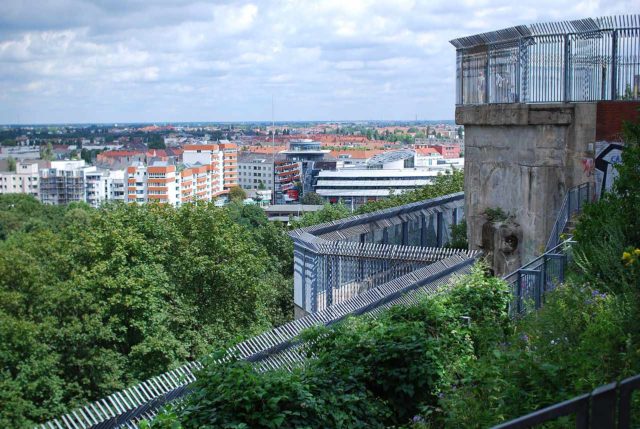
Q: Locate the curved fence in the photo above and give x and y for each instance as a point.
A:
(335, 261)
(571, 61)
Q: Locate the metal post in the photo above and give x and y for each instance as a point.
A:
(486, 77)
(405, 233)
(567, 69)
(461, 77)
(614, 65)
(518, 66)
(439, 225)
(423, 231)
(627, 387)
(603, 407)
(543, 277)
(519, 293)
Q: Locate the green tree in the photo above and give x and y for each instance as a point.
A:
(11, 163)
(128, 292)
(236, 193)
(156, 141)
(312, 198)
(46, 152)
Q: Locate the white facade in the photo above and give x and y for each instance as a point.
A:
(356, 186)
(207, 155)
(25, 180)
(73, 181)
(254, 169)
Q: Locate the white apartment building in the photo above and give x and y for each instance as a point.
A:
(255, 169)
(65, 182)
(25, 180)
(205, 174)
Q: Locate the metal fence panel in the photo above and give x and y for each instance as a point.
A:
(576, 61)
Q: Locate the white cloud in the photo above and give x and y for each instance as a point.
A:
(149, 60)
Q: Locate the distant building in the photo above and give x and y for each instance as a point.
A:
(255, 170)
(230, 164)
(66, 182)
(383, 175)
(25, 180)
(207, 172)
(296, 169)
(287, 212)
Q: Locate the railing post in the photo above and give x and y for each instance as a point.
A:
(405, 233)
(567, 69)
(603, 407)
(627, 387)
(439, 225)
(543, 279)
(423, 231)
(519, 294)
(516, 95)
(486, 76)
(614, 65)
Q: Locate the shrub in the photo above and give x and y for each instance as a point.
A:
(362, 372)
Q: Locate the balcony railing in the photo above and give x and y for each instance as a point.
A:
(531, 282)
(572, 61)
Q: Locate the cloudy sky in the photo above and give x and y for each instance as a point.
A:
(188, 60)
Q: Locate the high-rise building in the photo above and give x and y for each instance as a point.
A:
(208, 171)
(296, 169)
(230, 164)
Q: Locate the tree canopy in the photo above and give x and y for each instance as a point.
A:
(93, 301)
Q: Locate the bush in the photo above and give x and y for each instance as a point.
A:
(363, 372)
(579, 340)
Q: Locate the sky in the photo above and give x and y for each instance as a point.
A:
(105, 61)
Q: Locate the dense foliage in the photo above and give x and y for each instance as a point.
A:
(92, 301)
(362, 373)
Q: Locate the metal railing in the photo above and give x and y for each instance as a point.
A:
(606, 407)
(572, 204)
(571, 61)
(531, 282)
(335, 261)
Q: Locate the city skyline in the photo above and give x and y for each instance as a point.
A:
(73, 61)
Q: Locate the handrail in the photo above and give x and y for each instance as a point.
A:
(595, 410)
(572, 203)
(532, 281)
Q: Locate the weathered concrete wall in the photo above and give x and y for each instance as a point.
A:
(522, 159)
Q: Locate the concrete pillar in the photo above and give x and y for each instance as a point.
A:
(523, 158)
